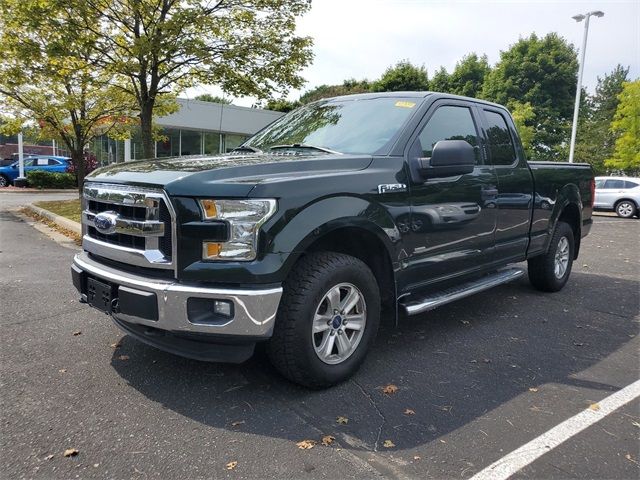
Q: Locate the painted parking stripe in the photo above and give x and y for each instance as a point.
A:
(526, 454)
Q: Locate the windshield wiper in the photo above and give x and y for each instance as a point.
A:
(303, 146)
(246, 148)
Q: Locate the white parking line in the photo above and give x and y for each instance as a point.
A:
(526, 454)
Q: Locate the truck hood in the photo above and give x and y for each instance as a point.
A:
(224, 175)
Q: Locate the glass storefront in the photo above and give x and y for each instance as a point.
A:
(176, 142)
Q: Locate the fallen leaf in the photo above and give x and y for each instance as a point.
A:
(75, 334)
(417, 457)
(231, 465)
(306, 444)
(388, 444)
(533, 389)
(49, 457)
(236, 423)
(63, 370)
(327, 440)
(442, 441)
(630, 458)
(594, 406)
(70, 452)
(408, 411)
(96, 465)
(390, 389)
(342, 420)
(123, 357)
(473, 361)
(115, 345)
(486, 360)
(635, 424)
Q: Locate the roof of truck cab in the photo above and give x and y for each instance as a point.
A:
(362, 96)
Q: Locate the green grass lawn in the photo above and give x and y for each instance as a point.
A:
(67, 208)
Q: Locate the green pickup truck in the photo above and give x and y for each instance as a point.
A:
(338, 211)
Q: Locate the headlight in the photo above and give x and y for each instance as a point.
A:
(245, 217)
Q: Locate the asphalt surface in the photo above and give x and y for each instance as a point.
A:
(483, 376)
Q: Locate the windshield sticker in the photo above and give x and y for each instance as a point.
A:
(405, 104)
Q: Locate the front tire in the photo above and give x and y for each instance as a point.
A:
(625, 209)
(550, 272)
(4, 181)
(327, 320)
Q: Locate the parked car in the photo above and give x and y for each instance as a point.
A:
(620, 194)
(337, 211)
(48, 163)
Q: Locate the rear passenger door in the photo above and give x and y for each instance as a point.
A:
(514, 202)
(610, 192)
(451, 227)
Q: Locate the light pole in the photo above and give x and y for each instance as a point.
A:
(576, 108)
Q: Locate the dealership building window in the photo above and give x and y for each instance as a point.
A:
(197, 128)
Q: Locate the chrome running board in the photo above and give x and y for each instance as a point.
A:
(414, 307)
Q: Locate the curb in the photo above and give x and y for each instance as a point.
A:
(35, 190)
(63, 222)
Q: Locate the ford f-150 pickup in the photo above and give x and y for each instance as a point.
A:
(337, 211)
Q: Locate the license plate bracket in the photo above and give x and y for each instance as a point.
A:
(99, 295)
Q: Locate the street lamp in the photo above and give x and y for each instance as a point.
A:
(579, 18)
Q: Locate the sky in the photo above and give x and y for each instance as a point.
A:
(362, 38)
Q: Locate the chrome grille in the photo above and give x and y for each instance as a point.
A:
(133, 225)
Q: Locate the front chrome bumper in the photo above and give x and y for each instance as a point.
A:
(254, 310)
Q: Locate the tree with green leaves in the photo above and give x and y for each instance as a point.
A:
(626, 124)
(468, 77)
(49, 74)
(348, 87)
(595, 139)
(281, 105)
(162, 47)
(441, 81)
(403, 76)
(541, 71)
(523, 114)
(207, 97)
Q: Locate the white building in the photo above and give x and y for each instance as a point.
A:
(196, 128)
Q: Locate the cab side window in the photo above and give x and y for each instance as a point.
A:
(501, 145)
(449, 123)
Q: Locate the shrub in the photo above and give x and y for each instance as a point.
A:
(90, 164)
(42, 179)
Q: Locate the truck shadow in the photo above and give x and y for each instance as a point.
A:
(451, 366)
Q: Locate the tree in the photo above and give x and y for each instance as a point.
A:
(523, 115)
(468, 77)
(161, 47)
(626, 123)
(49, 74)
(541, 71)
(441, 81)
(207, 97)
(595, 140)
(282, 105)
(403, 77)
(348, 87)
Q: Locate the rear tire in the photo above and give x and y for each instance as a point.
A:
(625, 209)
(299, 348)
(550, 272)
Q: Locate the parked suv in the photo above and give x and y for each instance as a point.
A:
(620, 194)
(48, 163)
(336, 211)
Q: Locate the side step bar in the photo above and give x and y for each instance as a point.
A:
(414, 307)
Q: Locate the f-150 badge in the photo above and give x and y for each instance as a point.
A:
(392, 187)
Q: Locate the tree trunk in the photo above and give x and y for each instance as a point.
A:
(77, 157)
(146, 130)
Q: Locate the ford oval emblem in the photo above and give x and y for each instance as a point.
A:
(105, 222)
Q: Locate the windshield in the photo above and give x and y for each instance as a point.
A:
(347, 126)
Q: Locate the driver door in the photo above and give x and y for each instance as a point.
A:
(453, 219)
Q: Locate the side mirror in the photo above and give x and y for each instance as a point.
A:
(14, 166)
(449, 158)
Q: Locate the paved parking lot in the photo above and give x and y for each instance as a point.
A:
(476, 380)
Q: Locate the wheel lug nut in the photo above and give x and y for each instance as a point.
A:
(340, 332)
